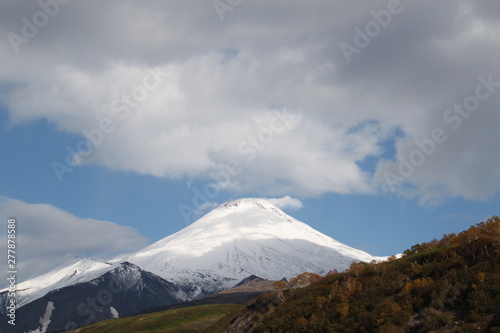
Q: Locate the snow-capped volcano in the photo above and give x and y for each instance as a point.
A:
(242, 238)
(236, 240)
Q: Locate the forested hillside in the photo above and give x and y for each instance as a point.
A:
(446, 285)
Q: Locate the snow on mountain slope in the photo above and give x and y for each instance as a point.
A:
(125, 290)
(79, 271)
(238, 239)
(242, 238)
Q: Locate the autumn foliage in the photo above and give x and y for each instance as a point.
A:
(446, 285)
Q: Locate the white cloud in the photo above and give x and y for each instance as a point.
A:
(223, 80)
(48, 237)
(286, 202)
(204, 207)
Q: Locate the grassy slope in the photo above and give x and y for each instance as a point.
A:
(191, 319)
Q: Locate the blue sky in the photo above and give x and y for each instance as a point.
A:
(379, 224)
(275, 102)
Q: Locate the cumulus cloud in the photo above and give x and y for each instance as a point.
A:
(48, 237)
(286, 202)
(221, 85)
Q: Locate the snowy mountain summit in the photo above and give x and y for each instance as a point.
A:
(238, 239)
(241, 238)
